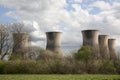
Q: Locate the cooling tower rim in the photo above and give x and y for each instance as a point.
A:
(90, 30)
(111, 39)
(103, 35)
(53, 32)
(20, 34)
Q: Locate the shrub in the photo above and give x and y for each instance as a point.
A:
(46, 55)
(107, 67)
(15, 57)
(2, 67)
(19, 67)
(84, 53)
(41, 67)
(117, 66)
(56, 66)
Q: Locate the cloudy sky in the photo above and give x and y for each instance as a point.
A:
(67, 16)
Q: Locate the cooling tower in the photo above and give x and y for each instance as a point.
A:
(20, 46)
(90, 38)
(54, 42)
(103, 45)
(112, 51)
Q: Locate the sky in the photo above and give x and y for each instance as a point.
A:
(67, 16)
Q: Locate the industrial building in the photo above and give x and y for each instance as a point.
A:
(20, 45)
(103, 45)
(54, 42)
(112, 51)
(90, 38)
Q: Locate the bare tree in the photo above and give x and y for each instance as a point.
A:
(17, 27)
(5, 41)
(20, 39)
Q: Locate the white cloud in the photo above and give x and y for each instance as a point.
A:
(102, 5)
(51, 15)
(78, 0)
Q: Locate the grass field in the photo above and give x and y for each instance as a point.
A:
(59, 77)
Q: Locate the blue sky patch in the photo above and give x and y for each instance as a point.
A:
(3, 17)
(95, 10)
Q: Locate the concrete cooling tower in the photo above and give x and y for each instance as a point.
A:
(20, 46)
(112, 51)
(90, 38)
(103, 45)
(54, 42)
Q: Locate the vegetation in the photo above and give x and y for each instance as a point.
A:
(84, 53)
(59, 66)
(48, 62)
(59, 77)
(5, 42)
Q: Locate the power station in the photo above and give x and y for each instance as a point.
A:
(54, 42)
(111, 44)
(103, 45)
(20, 45)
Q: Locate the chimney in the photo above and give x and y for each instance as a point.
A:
(103, 45)
(54, 42)
(20, 46)
(112, 51)
(90, 38)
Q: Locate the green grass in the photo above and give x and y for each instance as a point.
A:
(59, 77)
